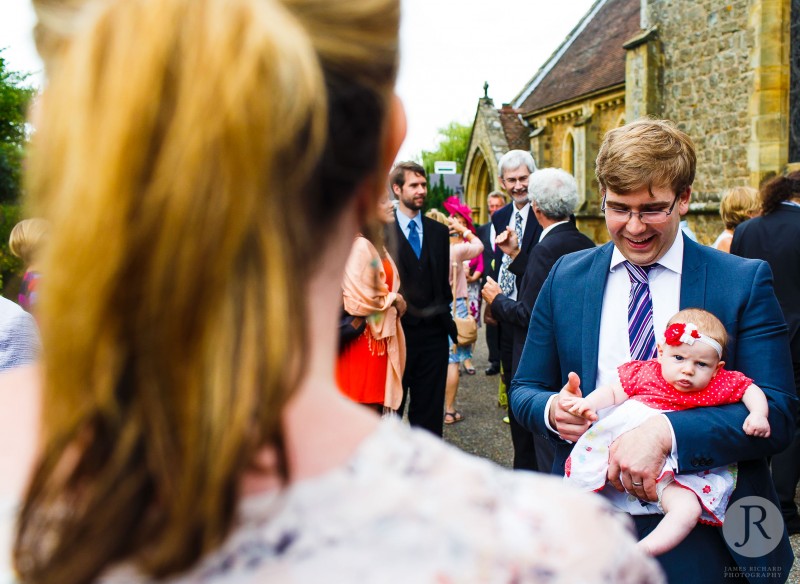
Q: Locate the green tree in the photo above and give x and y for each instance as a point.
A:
(452, 145)
(437, 193)
(15, 95)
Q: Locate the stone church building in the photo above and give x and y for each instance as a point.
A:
(724, 72)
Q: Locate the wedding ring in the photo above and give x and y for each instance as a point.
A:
(636, 484)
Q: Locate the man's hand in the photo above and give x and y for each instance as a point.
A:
(569, 426)
(508, 242)
(400, 305)
(490, 290)
(636, 458)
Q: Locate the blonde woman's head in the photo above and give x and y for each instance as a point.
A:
(437, 215)
(739, 204)
(171, 135)
(27, 238)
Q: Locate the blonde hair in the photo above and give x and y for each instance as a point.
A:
(27, 238)
(172, 313)
(646, 153)
(706, 323)
(437, 215)
(739, 204)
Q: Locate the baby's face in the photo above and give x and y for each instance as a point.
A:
(688, 368)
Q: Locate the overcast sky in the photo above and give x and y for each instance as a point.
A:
(449, 48)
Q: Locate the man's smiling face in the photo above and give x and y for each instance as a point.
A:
(645, 243)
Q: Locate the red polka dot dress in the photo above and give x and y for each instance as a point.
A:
(651, 395)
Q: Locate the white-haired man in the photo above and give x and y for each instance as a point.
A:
(553, 194)
(515, 221)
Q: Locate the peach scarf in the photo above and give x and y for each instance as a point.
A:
(365, 293)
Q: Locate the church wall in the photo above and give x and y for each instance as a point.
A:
(587, 121)
(725, 83)
(707, 50)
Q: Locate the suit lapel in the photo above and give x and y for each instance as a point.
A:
(592, 310)
(428, 243)
(693, 277)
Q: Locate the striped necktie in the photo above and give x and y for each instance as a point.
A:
(640, 314)
(507, 279)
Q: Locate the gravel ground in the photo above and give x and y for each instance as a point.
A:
(483, 432)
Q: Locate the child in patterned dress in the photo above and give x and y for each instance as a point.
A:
(687, 373)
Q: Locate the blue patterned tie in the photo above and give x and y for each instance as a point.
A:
(640, 314)
(507, 279)
(413, 238)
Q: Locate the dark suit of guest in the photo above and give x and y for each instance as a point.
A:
(424, 283)
(563, 336)
(492, 257)
(524, 449)
(560, 240)
(776, 239)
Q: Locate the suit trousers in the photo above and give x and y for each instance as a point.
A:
(704, 547)
(493, 343)
(522, 439)
(425, 376)
(786, 474)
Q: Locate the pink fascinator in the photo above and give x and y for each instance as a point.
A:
(455, 207)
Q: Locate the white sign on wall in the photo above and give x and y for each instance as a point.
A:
(444, 167)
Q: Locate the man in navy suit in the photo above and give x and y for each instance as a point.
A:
(580, 333)
(423, 263)
(492, 257)
(775, 238)
(515, 220)
(554, 195)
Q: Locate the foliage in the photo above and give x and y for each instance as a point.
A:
(15, 96)
(453, 143)
(10, 266)
(437, 193)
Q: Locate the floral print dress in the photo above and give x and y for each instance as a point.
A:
(409, 508)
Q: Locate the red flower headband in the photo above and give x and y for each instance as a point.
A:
(680, 332)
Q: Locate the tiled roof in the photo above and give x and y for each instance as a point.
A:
(592, 58)
(516, 132)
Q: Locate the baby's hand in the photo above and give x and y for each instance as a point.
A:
(756, 425)
(579, 407)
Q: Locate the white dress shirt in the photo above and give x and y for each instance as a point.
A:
(403, 221)
(549, 228)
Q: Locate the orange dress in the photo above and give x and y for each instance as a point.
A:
(361, 368)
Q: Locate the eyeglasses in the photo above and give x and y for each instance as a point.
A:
(523, 180)
(647, 217)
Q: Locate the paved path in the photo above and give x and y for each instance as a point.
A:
(484, 434)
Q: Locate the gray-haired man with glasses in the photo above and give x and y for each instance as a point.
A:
(582, 329)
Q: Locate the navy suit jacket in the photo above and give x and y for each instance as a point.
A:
(559, 241)
(775, 238)
(428, 301)
(564, 336)
(530, 236)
